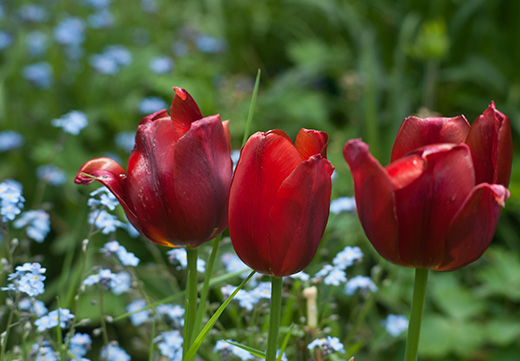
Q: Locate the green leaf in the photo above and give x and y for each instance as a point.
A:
(253, 351)
(285, 343)
(202, 335)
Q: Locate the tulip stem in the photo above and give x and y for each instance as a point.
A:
(274, 318)
(191, 300)
(414, 326)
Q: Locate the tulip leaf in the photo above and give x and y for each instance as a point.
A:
(251, 108)
(204, 332)
(285, 343)
(251, 350)
(214, 281)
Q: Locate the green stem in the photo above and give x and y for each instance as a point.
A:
(191, 300)
(414, 326)
(205, 288)
(274, 319)
(102, 316)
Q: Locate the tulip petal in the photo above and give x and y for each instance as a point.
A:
(150, 180)
(299, 215)
(109, 173)
(491, 146)
(202, 176)
(375, 199)
(426, 206)
(472, 229)
(183, 111)
(266, 160)
(417, 132)
(311, 142)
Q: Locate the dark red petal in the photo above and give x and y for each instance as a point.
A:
(405, 170)
(202, 172)
(491, 146)
(375, 200)
(426, 207)
(150, 179)
(183, 111)
(266, 160)
(473, 227)
(417, 132)
(299, 215)
(311, 142)
(109, 173)
(154, 116)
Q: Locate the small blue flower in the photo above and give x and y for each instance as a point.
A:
(210, 44)
(72, 122)
(113, 352)
(101, 19)
(37, 224)
(244, 298)
(44, 352)
(161, 64)
(360, 282)
(126, 258)
(106, 198)
(51, 174)
(262, 291)
(223, 348)
(138, 318)
(170, 345)
(39, 74)
(111, 60)
(151, 105)
(347, 257)
(123, 283)
(61, 317)
(343, 204)
(97, 4)
(104, 64)
(179, 257)
(70, 31)
(120, 54)
(328, 345)
(9, 139)
(105, 221)
(11, 200)
(6, 39)
(37, 43)
(33, 12)
(125, 141)
(79, 344)
(302, 276)
(332, 275)
(28, 279)
(233, 264)
(31, 305)
(172, 313)
(395, 324)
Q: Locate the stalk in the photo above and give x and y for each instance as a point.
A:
(274, 319)
(414, 327)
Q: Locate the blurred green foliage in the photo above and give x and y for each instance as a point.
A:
(349, 67)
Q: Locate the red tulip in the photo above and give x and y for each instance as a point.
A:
(437, 204)
(176, 186)
(279, 201)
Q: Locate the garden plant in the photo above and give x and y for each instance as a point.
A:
(203, 180)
